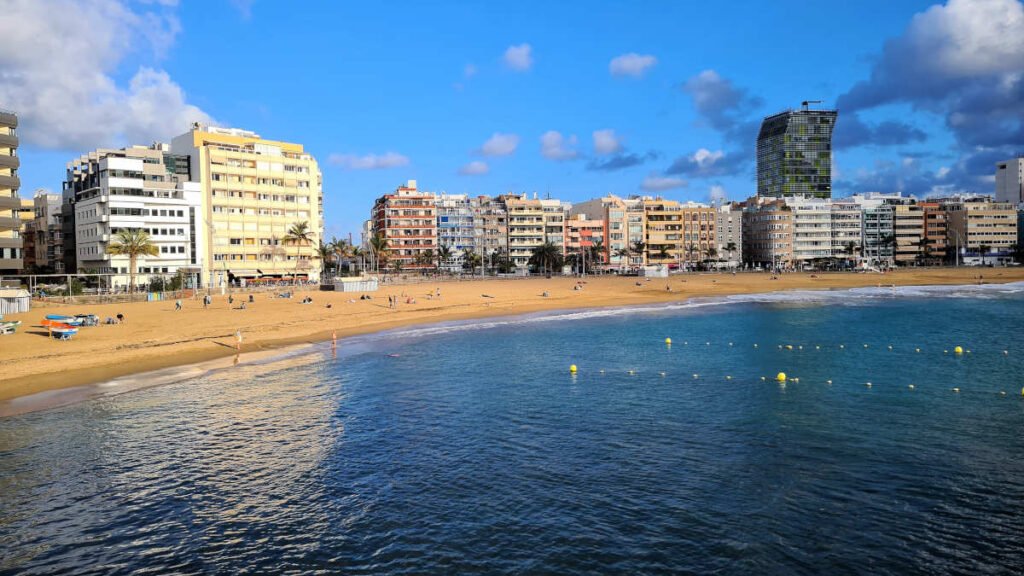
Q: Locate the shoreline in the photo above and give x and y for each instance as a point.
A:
(146, 343)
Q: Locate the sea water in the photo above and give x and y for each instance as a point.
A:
(470, 448)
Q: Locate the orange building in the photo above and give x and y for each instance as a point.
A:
(407, 219)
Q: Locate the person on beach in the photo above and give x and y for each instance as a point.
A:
(120, 318)
(238, 339)
(207, 300)
(177, 304)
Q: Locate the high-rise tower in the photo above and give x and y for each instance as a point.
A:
(794, 153)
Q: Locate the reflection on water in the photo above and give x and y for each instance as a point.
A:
(465, 450)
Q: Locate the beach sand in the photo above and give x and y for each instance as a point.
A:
(155, 336)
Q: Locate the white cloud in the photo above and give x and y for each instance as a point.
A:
(606, 142)
(718, 194)
(705, 158)
(656, 183)
(519, 58)
(58, 61)
(500, 145)
(631, 64)
(475, 168)
(469, 71)
(369, 161)
(554, 146)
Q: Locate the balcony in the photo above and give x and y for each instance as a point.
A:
(12, 182)
(10, 202)
(8, 141)
(9, 119)
(7, 223)
(12, 162)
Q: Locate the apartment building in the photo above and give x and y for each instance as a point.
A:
(456, 228)
(767, 233)
(41, 234)
(252, 192)
(624, 227)
(846, 229)
(678, 234)
(935, 247)
(729, 233)
(908, 233)
(811, 228)
(11, 259)
(981, 230)
(877, 234)
(490, 220)
(582, 235)
(139, 188)
(407, 220)
(532, 223)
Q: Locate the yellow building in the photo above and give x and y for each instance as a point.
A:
(908, 230)
(10, 203)
(253, 192)
(678, 234)
(532, 223)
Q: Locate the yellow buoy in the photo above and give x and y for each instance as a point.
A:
(781, 376)
(789, 346)
(668, 341)
(572, 368)
(958, 350)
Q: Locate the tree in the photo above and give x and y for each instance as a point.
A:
(663, 253)
(381, 250)
(691, 250)
(711, 253)
(730, 248)
(638, 249)
(470, 259)
(596, 252)
(444, 255)
(984, 249)
(132, 242)
(424, 259)
(326, 253)
(546, 256)
(299, 234)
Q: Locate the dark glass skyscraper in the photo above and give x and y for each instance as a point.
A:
(794, 153)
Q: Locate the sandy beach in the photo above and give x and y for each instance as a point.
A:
(155, 335)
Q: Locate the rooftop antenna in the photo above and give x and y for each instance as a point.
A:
(806, 103)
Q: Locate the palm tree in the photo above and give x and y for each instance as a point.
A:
(984, 249)
(381, 250)
(424, 259)
(325, 252)
(470, 259)
(358, 252)
(299, 234)
(597, 251)
(546, 256)
(443, 254)
(663, 253)
(638, 249)
(132, 242)
(730, 248)
(691, 250)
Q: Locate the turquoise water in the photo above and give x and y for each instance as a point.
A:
(470, 448)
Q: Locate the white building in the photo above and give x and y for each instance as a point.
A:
(729, 233)
(1010, 181)
(812, 227)
(455, 228)
(846, 228)
(138, 187)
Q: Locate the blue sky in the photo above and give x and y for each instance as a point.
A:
(492, 97)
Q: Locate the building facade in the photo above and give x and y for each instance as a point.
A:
(407, 220)
(253, 191)
(908, 230)
(135, 188)
(532, 223)
(43, 232)
(767, 233)
(794, 153)
(811, 228)
(456, 229)
(1010, 181)
(877, 235)
(729, 233)
(982, 231)
(584, 237)
(490, 220)
(846, 229)
(11, 258)
(624, 228)
(935, 248)
(678, 235)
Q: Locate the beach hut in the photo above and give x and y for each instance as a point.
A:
(356, 284)
(14, 301)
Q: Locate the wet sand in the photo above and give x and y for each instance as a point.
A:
(155, 336)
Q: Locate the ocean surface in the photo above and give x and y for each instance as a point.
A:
(470, 448)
